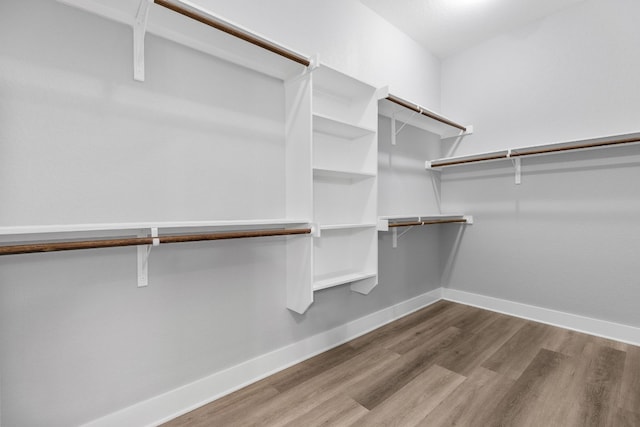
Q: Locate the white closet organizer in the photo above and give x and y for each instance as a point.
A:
(344, 181)
(393, 222)
(53, 238)
(517, 154)
(182, 22)
(408, 113)
(330, 141)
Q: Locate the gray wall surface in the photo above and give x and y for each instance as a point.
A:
(568, 237)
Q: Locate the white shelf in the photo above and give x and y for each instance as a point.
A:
(335, 127)
(341, 279)
(180, 29)
(338, 85)
(538, 150)
(346, 226)
(392, 110)
(342, 174)
(129, 226)
(384, 222)
(422, 217)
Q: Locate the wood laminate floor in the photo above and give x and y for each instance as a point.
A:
(446, 365)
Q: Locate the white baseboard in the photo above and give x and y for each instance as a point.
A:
(587, 325)
(176, 402)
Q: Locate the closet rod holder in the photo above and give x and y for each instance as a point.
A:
(424, 112)
(135, 241)
(234, 31)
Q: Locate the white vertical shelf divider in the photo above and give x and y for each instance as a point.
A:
(299, 186)
(344, 164)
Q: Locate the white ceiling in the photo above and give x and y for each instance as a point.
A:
(445, 27)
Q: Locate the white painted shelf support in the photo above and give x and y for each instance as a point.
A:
(139, 32)
(394, 132)
(517, 165)
(395, 236)
(143, 257)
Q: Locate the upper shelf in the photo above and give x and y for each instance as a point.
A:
(404, 220)
(331, 126)
(537, 150)
(191, 25)
(420, 117)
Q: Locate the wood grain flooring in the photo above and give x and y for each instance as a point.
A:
(446, 365)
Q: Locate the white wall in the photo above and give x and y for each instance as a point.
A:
(348, 36)
(567, 238)
(573, 75)
(81, 142)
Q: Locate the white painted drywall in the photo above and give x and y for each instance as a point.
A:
(348, 36)
(567, 238)
(81, 142)
(572, 75)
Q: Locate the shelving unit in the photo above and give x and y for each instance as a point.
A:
(406, 112)
(517, 154)
(393, 222)
(54, 238)
(344, 181)
(191, 25)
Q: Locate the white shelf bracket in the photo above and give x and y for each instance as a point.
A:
(395, 236)
(383, 225)
(139, 31)
(394, 132)
(517, 165)
(143, 258)
(314, 62)
(469, 219)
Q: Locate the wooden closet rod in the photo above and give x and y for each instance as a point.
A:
(418, 109)
(533, 151)
(135, 241)
(235, 31)
(429, 222)
(437, 163)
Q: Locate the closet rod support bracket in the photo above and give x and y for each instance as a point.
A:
(460, 134)
(143, 257)
(395, 236)
(139, 31)
(517, 165)
(314, 62)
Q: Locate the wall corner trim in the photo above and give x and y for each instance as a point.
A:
(601, 328)
(174, 403)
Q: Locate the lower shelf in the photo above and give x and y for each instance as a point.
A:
(341, 279)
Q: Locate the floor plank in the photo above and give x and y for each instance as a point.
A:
(373, 391)
(479, 394)
(629, 395)
(413, 402)
(339, 410)
(515, 355)
(481, 345)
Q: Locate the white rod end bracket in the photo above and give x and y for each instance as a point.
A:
(139, 31)
(143, 257)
